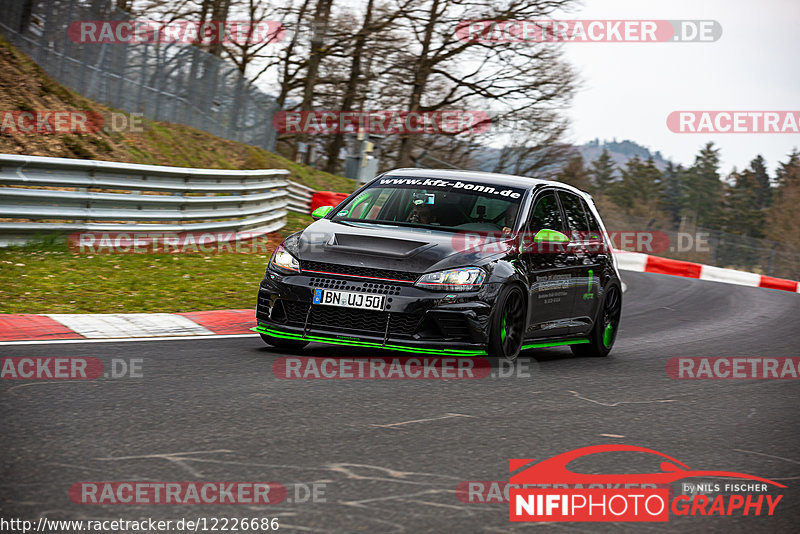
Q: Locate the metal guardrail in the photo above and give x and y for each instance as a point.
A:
(42, 195)
(300, 197)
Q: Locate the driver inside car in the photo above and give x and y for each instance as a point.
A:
(511, 214)
(422, 213)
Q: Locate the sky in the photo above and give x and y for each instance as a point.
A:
(628, 89)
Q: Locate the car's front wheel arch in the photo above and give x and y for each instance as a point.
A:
(508, 321)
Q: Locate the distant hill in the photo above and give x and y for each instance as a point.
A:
(620, 151)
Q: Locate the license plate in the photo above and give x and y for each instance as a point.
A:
(348, 299)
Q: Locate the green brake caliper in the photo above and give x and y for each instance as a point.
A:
(608, 334)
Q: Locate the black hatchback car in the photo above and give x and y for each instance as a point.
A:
(447, 263)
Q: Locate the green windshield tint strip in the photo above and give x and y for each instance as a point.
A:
(320, 339)
(366, 198)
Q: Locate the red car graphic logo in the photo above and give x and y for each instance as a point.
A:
(554, 470)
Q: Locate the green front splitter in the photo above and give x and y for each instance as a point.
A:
(370, 344)
(323, 339)
(555, 344)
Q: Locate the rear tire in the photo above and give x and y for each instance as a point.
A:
(285, 344)
(604, 331)
(507, 327)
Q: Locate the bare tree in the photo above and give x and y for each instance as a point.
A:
(529, 148)
(408, 56)
(448, 72)
(322, 13)
(247, 51)
(372, 24)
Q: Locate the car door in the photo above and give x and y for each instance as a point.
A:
(551, 295)
(582, 259)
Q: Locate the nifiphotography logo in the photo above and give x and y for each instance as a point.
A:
(549, 492)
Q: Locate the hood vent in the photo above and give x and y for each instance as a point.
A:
(378, 246)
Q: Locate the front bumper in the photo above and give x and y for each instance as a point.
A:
(415, 319)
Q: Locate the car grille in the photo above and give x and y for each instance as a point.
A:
(346, 285)
(295, 311)
(358, 272)
(350, 319)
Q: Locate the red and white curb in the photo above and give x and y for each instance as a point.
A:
(645, 263)
(72, 327)
(82, 328)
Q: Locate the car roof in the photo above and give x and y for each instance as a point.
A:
(494, 178)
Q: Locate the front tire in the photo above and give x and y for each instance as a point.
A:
(285, 344)
(604, 331)
(507, 326)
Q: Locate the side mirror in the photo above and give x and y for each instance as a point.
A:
(546, 235)
(321, 212)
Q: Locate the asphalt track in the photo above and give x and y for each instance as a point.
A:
(214, 410)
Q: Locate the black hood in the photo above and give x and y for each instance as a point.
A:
(397, 248)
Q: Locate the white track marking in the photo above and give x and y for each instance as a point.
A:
(619, 403)
(178, 458)
(769, 456)
(123, 340)
(446, 416)
(124, 325)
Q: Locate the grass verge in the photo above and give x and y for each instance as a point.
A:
(46, 277)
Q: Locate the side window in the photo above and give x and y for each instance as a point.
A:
(576, 218)
(545, 214)
(594, 226)
(375, 209)
(362, 204)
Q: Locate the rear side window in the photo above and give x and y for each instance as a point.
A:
(573, 210)
(594, 226)
(545, 214)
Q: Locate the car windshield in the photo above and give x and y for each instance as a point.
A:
(451, 205)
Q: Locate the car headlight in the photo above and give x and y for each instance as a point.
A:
(466, 279)
(282, 261)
